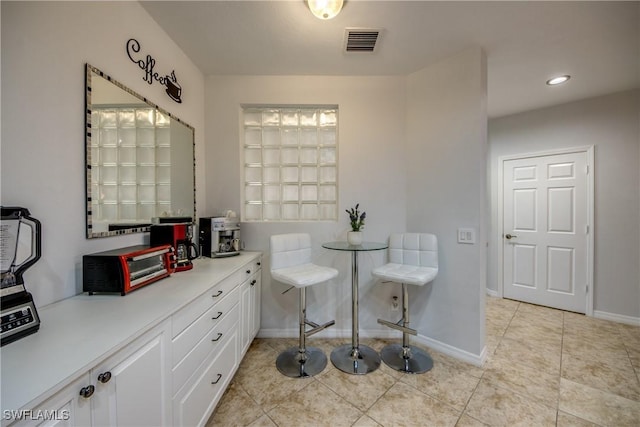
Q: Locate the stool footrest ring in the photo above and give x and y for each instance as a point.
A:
(398, 327)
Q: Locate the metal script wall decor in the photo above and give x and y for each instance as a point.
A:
(174, 90)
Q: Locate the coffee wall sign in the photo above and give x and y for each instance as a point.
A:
(173, 88)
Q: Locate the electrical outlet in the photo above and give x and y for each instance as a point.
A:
(395, 306)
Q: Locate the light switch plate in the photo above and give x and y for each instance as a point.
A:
(466, 236)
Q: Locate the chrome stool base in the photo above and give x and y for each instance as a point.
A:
(289, 362)
(418, 361)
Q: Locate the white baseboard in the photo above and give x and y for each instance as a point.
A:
(449, 350)
(620, 318)
(492, 293)
(474, 359)
(327, 333)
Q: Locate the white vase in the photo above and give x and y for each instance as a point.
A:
(354, 237)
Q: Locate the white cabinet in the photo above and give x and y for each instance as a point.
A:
(195, 402)
(66, 408)
(132, 388)
(210, 336)
(160, 356)
(250, 310)
(205, 354)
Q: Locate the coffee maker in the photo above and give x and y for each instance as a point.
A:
(180, 236)
(20, 242)
(220, 236)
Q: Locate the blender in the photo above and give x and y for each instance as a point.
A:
(20, 248)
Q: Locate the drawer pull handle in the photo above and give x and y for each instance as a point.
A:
(104, 377)
(248, 271)
(217, 295)
(217, 379)
(87, 391)
(253, 282)
(218, 338)
(218, 316)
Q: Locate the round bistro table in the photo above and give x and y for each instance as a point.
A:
(355, 358)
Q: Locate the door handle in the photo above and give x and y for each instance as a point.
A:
(510, 236)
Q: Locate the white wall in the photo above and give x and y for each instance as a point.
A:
(446, 174)
(45, 46)
(371, 172)
(611, 124)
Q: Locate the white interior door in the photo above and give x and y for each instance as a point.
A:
(545, 230)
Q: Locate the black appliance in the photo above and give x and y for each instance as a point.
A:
(20, 248)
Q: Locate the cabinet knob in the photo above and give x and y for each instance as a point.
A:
(217, 379)
(104, 377)
(248, 271)
(217, 316)
(218, 337)
(258, 263)
(217, 295)
(87, 391)
(253, 282)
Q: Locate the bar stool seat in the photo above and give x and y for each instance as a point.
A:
(409, 274)
(291, 264)
(413, 260)
(304, 275)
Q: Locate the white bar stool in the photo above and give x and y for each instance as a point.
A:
(413, 260)
(291, 264)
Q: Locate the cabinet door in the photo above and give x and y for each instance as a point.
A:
(256, 295)
(133, 387)
(246, 325)
(65, 408)
(250, 310)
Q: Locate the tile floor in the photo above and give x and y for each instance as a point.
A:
(545, 367)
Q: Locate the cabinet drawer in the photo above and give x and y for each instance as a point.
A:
(194, 405)
(250, 268)
(187, 339)
(227, 326)
(190, 313)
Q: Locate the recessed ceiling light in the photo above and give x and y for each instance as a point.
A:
(558, 80)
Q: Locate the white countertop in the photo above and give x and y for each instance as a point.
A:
(77, 333)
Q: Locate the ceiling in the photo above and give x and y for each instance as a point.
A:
(526, 43)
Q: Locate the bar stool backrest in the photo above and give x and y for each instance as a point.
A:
(288, 250)
(419, 249)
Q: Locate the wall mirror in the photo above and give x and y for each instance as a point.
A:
(140, 160)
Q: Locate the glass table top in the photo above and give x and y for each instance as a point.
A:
(365, 246)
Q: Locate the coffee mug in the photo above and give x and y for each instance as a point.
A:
(236, 244)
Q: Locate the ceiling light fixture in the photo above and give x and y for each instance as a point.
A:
(558, 80)
(325, 9)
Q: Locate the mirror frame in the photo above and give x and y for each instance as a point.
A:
(89, 69)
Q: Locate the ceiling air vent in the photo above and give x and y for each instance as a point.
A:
(361, 39)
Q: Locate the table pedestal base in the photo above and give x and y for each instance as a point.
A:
(355, 360)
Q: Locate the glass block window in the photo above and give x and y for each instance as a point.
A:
(290, 158)
(130, 164)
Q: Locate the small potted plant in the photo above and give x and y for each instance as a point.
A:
(354, 237)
